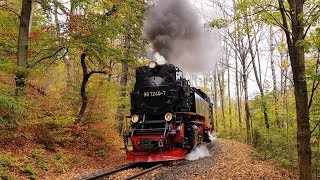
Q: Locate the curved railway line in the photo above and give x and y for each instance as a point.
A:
(106, 174)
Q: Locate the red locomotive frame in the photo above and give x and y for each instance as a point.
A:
(175, 137)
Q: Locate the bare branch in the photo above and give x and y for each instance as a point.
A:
(284, 21)
(113, 10)
(8, 51)
(277, 22)
(314, 85)
(6, 7)
(315, 127)
(306, 32)
(97, 72)
(312, 9)
(46, 57)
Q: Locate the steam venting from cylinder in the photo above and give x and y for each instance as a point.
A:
(176, 33)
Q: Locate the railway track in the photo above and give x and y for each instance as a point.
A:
(106, 174)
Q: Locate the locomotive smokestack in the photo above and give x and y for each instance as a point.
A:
(176, 33)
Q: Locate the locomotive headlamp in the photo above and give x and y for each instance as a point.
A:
(152, 64)
(135, 118)
(168, 116)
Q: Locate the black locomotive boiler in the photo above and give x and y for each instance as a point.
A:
(168, 117)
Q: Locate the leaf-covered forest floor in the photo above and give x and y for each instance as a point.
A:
(240, 161)
(229, 160)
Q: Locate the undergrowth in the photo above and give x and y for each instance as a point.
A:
(43, 127)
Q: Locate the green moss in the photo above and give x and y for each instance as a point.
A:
(101, 153)
(12, 109)
(3, 173)
(40, 158)
(29, 170)
(60, 122)
(62, 162)
(6, 163)
(6, 160)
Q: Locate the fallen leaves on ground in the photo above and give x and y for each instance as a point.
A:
(229, 160)
(236, 162)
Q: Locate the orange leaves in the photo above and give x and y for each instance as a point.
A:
(36, 35)
(236, 162)
(80, 25)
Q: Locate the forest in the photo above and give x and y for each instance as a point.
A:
(67, 68)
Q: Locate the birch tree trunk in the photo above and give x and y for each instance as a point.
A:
(238, 94)
(221, 88)
(215, 105)
(229, 96)
(66, 59)
(256, 73)
(244, 77)
(263, 102)
(274, 78)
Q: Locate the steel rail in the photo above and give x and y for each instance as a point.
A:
(108, 173)
(144, 172)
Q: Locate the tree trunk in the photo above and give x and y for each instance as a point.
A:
(263, 102)
(123, 82)
(301, 98)
(256, 74)
(297, 60)
(83, 93)
(246, 104)
(221, 87)
(56, 18)
(111, 64)
(283, 79)
(66, 59)
(121, 108)
(22, 54)
(85, 79)
(229, 97)
(84, 97)
(215, 105)
(275, 90)
(238, 92)
(213, 94)
(245, 89)
(244, 71)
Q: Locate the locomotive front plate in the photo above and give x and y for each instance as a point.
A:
(154, 93)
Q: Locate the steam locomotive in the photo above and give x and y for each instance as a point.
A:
(168, 117)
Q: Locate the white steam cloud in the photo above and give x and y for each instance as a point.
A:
(212, 137)
(200, 151)
(176, 33)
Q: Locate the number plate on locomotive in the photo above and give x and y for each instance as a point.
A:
(154, 93)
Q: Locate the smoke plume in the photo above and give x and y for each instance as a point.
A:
(176, 33)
